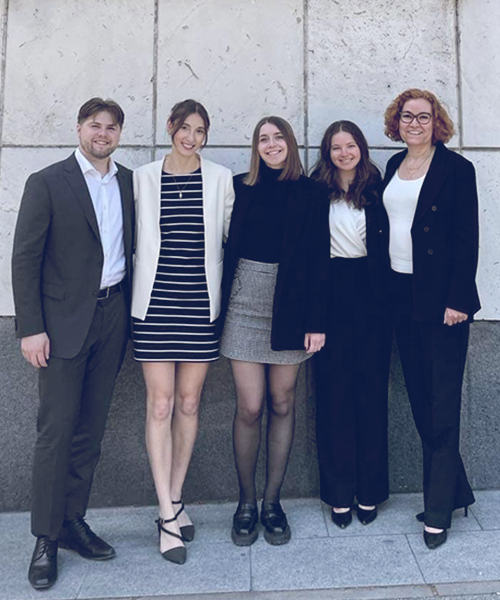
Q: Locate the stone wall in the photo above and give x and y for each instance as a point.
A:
(310, 61)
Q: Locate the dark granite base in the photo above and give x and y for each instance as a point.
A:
(123, 476)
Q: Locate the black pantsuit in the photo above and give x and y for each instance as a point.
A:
(444, 240)
(433, 360)
(75, 395)
(351, 390)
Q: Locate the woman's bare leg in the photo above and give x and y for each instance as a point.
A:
(189, 381)
(160, 385)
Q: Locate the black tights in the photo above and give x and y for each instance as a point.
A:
(250, 382)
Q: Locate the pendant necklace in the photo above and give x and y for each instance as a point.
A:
(413, 170)
(180, 190)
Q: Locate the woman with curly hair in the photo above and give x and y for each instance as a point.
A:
(352, 371)
(432, 243)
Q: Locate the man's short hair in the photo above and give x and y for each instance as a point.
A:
(97, 105)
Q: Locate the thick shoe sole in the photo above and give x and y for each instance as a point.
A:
(67, 546)
(278, 538)
(244, 539)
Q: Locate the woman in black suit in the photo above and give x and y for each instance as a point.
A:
(273, 300)
(352, 371)
(431, 201)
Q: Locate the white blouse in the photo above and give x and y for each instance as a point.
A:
(347, 230)
(400, 201)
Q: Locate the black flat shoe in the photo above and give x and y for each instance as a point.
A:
(342, 519)
(176, 555)
(42, 573)
(366, 516)
(434, 540)
(187, 531)
(76, 535)
(245, 519)
(276, 529)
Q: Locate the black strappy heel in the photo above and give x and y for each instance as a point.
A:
(176, 555)
(187, 531)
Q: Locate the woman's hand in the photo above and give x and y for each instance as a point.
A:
(314, 342)
(452, 317)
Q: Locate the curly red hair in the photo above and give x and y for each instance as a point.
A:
(443, 125)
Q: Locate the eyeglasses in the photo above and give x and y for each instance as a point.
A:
(424, 118)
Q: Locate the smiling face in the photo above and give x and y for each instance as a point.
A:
(190, 137)
(416, 134)
(99, 136)
(272, 146)
(345, 152)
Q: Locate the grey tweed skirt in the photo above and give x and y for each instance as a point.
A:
(247, 329)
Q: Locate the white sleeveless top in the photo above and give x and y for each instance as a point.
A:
(400, 201)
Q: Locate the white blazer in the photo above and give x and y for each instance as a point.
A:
(218, 199)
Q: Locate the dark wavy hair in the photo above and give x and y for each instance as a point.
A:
(443, 126)
(182, 110)
(364, 189)
(293, 167)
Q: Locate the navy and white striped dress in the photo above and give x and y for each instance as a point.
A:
(177, 325)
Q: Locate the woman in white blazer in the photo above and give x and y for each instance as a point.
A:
(183, 205)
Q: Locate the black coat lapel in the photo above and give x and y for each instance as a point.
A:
(77, 182)
(124, 182)
(433, 181)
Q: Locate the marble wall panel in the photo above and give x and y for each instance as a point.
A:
(480, 59)
(242, 59)
(362, 55)
(60, 54)
(488, 181)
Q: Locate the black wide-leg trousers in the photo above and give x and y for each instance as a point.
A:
(75, 396)
(433, 360)
(351, 375)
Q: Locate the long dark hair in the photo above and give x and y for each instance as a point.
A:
(365, 187)
(292, 168)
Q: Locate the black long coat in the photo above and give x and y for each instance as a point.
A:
(445, 237)
(300, 297)
(57, 258)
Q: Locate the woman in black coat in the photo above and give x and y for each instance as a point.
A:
(432, 241)
(352, 371)
(273, 301)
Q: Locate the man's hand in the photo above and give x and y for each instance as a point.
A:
(36, 349)
(313, 342)
(452, 317)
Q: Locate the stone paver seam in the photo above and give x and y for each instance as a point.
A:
(5, 18)
(459, 75)
(305, 54)
(154, 114)
(415, 557)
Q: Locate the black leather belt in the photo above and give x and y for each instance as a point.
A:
(109, 291)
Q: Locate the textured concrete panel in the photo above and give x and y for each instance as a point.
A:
(488, 182)
(480, 61)
(484, 414)
(60, 54)
(242, 59)
(236, 159)
(17, 164)
(361, 55)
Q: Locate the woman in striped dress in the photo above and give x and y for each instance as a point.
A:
(183, 205)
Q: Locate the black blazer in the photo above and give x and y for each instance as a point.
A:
(301, 287)
(57, 258)
(445, 237)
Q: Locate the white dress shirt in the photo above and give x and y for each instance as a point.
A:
(106, 199)
(347, 230)
(400, 201)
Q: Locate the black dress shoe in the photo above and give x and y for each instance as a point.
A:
(42, 573)
(276, 529)
(342, 519)
(366, 516)
(420, 517)
(434, 540)
(76, 535)
(245, 519)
